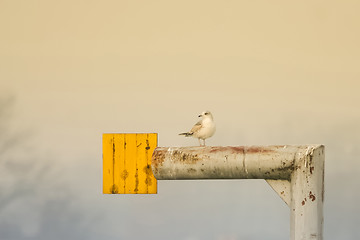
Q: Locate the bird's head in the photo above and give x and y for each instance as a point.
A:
(206, 114)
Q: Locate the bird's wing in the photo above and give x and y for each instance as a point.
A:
(196, 127)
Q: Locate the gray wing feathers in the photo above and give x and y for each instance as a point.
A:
(194, 129)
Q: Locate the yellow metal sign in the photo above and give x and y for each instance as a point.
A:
(127, 163)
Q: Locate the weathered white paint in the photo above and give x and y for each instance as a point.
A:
(296, 173)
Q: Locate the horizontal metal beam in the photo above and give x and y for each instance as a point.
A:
(254, 162)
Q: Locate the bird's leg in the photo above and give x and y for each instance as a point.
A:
(199, 141)
(204, 142)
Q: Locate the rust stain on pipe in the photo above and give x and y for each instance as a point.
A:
(242, 149)
(312, 196)
(158, 157)
(186, 158)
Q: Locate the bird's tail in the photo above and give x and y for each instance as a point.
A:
(187, 134)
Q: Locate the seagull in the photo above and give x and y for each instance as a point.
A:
(203, 129)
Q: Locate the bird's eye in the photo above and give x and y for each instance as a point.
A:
(206, 113)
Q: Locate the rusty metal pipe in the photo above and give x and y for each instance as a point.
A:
(254, 162)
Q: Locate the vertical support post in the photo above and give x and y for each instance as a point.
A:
(307, 195)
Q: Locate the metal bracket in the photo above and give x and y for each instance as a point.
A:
(282, 188)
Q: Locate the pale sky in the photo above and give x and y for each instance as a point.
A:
(278, 72)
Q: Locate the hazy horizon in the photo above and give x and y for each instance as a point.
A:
(271, 73)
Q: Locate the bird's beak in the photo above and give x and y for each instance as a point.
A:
(200, 115)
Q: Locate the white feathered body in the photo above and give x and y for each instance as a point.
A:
(207, 129)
